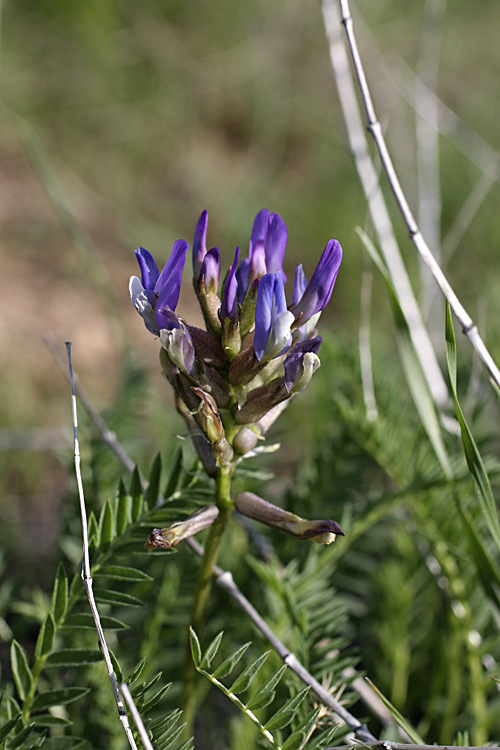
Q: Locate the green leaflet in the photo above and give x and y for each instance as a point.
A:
(475, 463)
(46, 636)
(211, 651)
(284, 716)
(242, 682)
(86, 621)
(175, 473)
(122, 573)
(398, 718)
(60, 595)
(20, 670)
(72, 657)
(58, 697)
(106, 526)
(153, 490)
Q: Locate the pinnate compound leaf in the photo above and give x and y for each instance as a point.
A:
(229, 664)
(153, 490)
(284, 716)
(60, 595)
(136, 672)
(20, 670)
(266, 693)
(72, 657)
(475, 463)
(195, 647)
(58, 697)
(211, 651)
(242, 682)
(7, 728)
(46, 636)
(122, 573)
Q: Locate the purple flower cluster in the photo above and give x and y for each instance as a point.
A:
(256, 350)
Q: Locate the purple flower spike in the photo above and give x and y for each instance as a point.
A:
(210, 268)
(301, 363)
(320, 288)
(229, 307)
(199, 245)
(242, 278)
(149, 269)
(299, 285)
(168, 286)
(272, 319)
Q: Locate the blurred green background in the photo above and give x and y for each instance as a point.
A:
(146, 114)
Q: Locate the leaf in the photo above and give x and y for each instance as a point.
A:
(211, 651)
(60, 595)
(47, 720)
(58, 697)
(156, 698)
(117, 597)
(136, 494)
(93, 530)
(122, 573)
(116, 666)
(474, 462)
(72, 657)
(284, 716)
(86, 621)
(106, 526)
(46, 636)
(229, 664)
(487, 569)
(266, 693)
(62, 743)
(18, 740)
(398, 718)
(123, 512)
(145, 686)
(9, 726)
(295, 741)
(136, 672)
(242, 682)
(195, 647)
(20, 670)
(324, 739)
(175, 472)
(153, 490)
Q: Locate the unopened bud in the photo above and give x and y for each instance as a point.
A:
(253, 506)
(212, 426)
(180, 530)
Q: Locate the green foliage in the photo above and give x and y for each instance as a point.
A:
(283, 717)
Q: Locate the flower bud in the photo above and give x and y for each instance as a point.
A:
(253, 506)
(180, 530)
(212, 426)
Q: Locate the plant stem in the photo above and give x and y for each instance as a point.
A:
(204, 584)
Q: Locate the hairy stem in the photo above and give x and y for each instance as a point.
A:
(205, 576)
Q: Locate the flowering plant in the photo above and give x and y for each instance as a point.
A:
(235, 377)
